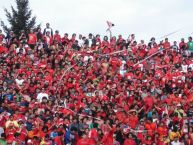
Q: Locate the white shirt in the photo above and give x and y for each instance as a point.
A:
(40, 96)
(185, 68)
(39, 46)
(1, 131)
(81, 42)
(89, 42)
(88, 57)
(48, 30)
(191, 66)
(17, 50)
(19, 82)
(123, 64)
(141, 66)
(122, 72)
(122, 69)
(175, 143)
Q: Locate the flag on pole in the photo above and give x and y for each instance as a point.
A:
(165, 36)
(110, 25)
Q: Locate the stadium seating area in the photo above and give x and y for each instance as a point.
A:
(88, 90)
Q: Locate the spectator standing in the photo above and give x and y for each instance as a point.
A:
(32, 39)
(190, 46)
(48, 29)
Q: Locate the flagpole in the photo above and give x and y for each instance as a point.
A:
(110, 25)
(149, 57)
(169, 34)
(110, 34)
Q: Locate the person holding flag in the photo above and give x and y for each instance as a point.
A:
(110, 25)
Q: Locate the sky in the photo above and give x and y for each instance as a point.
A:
(144, 18)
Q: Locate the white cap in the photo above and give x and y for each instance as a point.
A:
(178, 105)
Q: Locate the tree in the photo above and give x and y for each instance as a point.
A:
(19, 18)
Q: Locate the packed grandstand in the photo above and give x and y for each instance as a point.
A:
(87, 90)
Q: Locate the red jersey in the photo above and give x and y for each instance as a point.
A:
(57, 37)
(32, 39)
(129, 142)
(108, 138)
(182, 45)
(166, 45)
(86, 141)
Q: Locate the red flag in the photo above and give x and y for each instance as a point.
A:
(110, 25)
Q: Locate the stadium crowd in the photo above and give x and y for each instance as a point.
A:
(88, 90)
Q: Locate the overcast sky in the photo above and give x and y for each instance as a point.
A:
(145, 18)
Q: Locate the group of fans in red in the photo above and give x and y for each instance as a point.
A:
(88, 90)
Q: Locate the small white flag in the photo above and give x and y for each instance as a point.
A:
(110, 25)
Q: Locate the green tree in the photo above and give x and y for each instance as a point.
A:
(19, 18)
